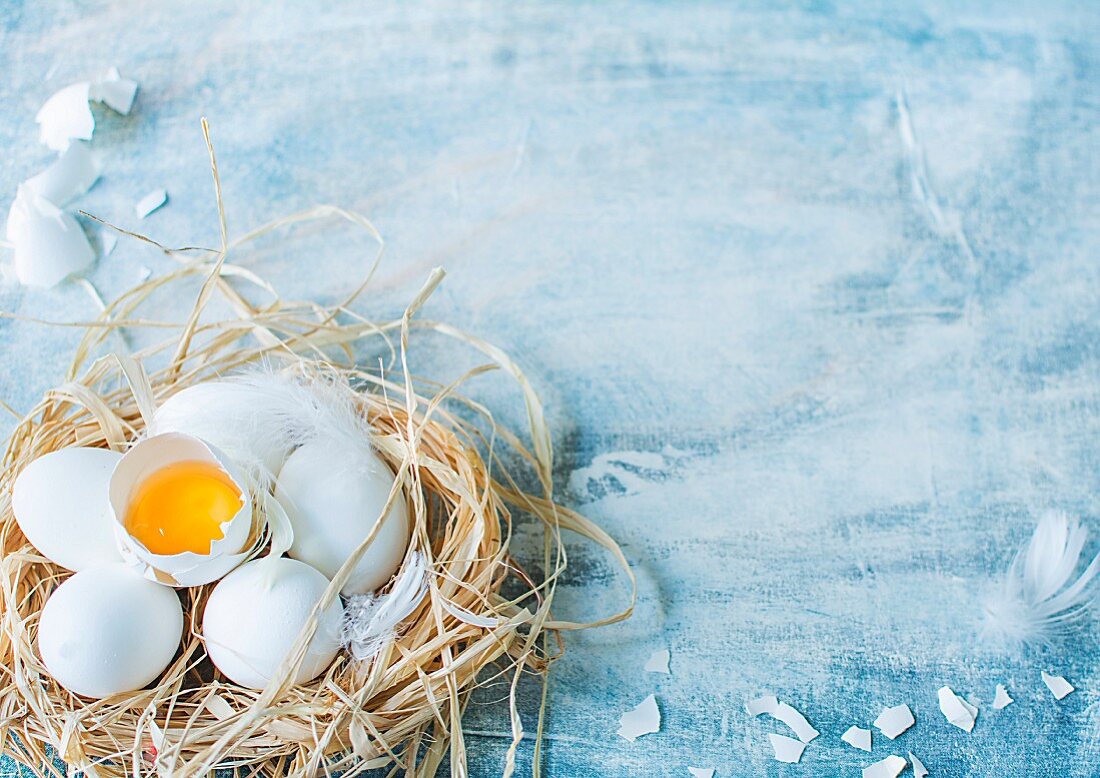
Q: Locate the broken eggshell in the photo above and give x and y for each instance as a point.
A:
(186, 568)
(114, 91)
(150, 203)
(66, 116)
(71, 175)
(49, 244)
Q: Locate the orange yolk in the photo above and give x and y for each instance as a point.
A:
(181, 507)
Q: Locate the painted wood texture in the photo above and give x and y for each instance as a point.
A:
(810, 290)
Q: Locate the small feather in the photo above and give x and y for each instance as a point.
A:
(371, 620)
(258, 417)
(1040, 595)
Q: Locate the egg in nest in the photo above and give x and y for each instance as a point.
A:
(105, 631)
(255, 614)
(60, 504)
(334, 494)
(182, 512)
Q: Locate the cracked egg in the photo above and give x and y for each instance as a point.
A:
(182, 511)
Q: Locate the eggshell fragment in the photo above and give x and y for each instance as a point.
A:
(796, 721)
(49, 244)
(66, 116)
(894, 721)
(658, 662)
(857, 737)
(1058, 685)
(150, 203)
(60, 503)
(105, 243)
(1001, 698)
(890, 767)
(333, 495)
(786, 749)
(114, 91)
(764, 704)
(186, 568)
(105, 631)
(71, 175)
(643, 719)
(255, 614)
(957, 710)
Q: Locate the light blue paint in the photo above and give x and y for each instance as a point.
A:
(695, 226)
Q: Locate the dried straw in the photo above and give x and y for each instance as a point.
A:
(401, 709)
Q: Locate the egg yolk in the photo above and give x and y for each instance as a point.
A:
(181, 507)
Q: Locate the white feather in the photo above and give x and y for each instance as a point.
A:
(257, 418)
(1040, 596)
(371, 620)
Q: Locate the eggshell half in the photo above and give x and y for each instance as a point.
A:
(255, 614)
(49, 244)
(60, 503)
(106, 630)
(187, 568)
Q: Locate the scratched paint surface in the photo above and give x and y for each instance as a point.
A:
(810, 291)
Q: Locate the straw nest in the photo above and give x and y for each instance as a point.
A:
(403, 707)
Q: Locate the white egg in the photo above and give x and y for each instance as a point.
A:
(107, 630)
(333, 494)
(254, 616)
(60, 503)
(229, 416)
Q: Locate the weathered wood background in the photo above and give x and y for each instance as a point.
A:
(810, 290)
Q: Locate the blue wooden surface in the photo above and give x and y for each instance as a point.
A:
(817, 381)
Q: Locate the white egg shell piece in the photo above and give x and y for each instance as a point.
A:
(71, 175)
(107, 630)
(333, 494)
(186, 568)
(60, 503)
(255, 614)
(49, 244)
(65, 116)
(226, 415)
